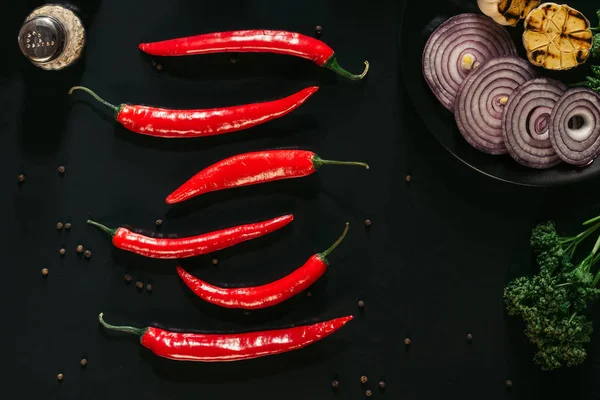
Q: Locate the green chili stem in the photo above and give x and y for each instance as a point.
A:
(333, 65)
(327, 252)
(127, 329)
(111, 232)
(319, 162)
(95, 96)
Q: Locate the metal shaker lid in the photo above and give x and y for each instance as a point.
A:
(41, 39)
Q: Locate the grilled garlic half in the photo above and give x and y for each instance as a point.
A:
(507, 12)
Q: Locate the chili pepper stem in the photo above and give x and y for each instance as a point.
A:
(323, 255)
(318, 162)
(116, 109)
(111, 232)
(127, 329)
(332, 64)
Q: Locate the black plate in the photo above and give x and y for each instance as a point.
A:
(419, 19)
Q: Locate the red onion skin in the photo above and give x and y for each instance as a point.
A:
(527, 101)
(478, 112)
(459, 35)
(576, 101)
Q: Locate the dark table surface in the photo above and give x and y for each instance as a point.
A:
(431, 267)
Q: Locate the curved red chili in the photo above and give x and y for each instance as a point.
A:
(251, 169)
(167, 123)
(254, 41)
(252, 298)
(229, 347)
(168, 248)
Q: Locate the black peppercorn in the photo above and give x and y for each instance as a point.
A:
(159, 222)
(364, 379)
(20, 178)
(408, 178)
(509, 384)
(368, 393)
(139, 285)
(87, 253)
(62, 252)
(149, 287)
(407, 341)
(83, 362)
(68, 226)
(128, 278)
(381, 385)
(361, 304)
(469, 337)
(61, 169)
(335, 384)
(318, 31)
(59, 226)
(367, 222)
(79, 248)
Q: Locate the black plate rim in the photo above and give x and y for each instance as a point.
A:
(461, 159)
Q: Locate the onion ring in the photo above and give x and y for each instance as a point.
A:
(459, 46)
(526, 122)
(575, 126)
(482, 97)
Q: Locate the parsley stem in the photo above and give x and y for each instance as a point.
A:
(574, 241)
(592, 220)
(596, 279)
(563, 284)
(572, 316)
(596, 246)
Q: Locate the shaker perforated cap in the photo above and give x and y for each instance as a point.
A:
(42, 39)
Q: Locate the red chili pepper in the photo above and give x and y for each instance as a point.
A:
(229, 347)
(253, 41)
(252, 298)
(167, 123)
(153, 247)
(251, 169)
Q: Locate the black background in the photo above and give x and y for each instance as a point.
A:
(432, 266)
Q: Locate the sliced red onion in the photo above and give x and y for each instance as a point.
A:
(526, 122)
(482, 97)
(575, 126)
(459, 46)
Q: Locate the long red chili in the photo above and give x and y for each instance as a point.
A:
(255, 41)
(168, 123)
(168, 248)
(229, 347)
(270, 294)
(251, 169)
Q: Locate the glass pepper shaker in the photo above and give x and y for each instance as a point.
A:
(52, 37)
